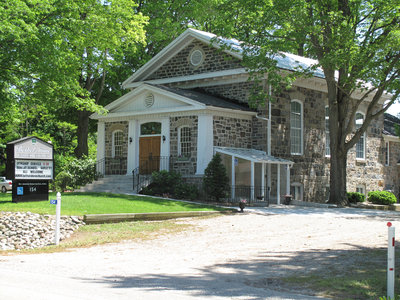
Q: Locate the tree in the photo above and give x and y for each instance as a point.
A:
(59, 52)
(357, 44)
(215, 179)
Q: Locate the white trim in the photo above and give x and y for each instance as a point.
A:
(205, 142)
(202, 76)
(391, 138)
(131, 159)
(298, 184)
(387, 153)
(301, 127)
(327, 134)
(101, 143)
(364, 136)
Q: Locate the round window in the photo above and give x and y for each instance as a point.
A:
(196, 57)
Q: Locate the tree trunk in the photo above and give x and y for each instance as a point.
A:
(338, 187)
(82, 134)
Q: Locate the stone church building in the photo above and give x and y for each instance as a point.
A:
(190, 101)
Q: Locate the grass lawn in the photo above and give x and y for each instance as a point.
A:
(79, 204)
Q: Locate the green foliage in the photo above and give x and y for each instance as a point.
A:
(170, 183)
(216, 181)
(62, 181)
(382, 197)
(186, 191)
(355, 197)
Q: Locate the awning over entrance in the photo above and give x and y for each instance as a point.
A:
(262, 160)
(253, 155)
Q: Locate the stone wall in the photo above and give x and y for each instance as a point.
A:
(179, 65)
(392, 171)
(182, 165)
(232, 132)
(116, 165)
(240, 91)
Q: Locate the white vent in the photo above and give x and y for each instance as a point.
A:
(149, 100)
(196, 57)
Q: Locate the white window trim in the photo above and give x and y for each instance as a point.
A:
(113, 141)
(298, 184)
(387, 154)
(327, 134)
(179, 138)
(364, 136)
(362, 187)
(301, 127)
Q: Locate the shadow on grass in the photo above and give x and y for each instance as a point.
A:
(358, 273)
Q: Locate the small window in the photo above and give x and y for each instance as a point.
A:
(296, 189)
(296, 127)
(360, 146)
(117, 143)
(327, 136)
(184, 141)
(387, 150)
(360, 189)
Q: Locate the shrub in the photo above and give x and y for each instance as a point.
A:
(83, 171)
(355, 197)
(164, 182)
(186, 191)
(62, 181)
(382, 197)
(215, 179)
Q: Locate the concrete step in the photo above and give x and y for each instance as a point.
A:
(110, 184)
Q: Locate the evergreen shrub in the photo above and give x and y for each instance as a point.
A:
(216, 181)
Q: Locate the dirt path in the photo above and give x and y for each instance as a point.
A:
(240, 256)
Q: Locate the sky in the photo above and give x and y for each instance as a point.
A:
(394, 109)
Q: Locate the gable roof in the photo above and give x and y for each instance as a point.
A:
(233, 47)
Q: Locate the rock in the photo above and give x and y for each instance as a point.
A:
(28, 230)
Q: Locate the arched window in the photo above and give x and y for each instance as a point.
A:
(184, 141)
(360, 146)
(327, 136)
(296, 127)
(117, 142)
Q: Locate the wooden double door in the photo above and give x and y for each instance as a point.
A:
(149, 154)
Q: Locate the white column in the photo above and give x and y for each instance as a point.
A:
(263, 181)
(131, 147)
(233, 178)
(287, 179)
(278, 184)
(205, 142)
(165, 145)
(252, 180)
(101, 146)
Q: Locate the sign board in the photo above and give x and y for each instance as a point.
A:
(53, 201)
(33, 148)
(34, 169)
(30, 190)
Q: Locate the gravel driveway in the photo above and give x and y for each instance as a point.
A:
(229, 257)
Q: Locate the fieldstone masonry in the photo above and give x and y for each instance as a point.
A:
(28, 230)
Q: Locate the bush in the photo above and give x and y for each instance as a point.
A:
(164, 182)
(186, 191)
(62, 181)
(215, 179)
(355, 197)
(83, 171)
(382, 197)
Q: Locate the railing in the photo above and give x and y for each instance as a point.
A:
(112, 166)
(256, 194)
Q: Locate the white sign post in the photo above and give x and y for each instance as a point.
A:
(390, 262)
(58, 213)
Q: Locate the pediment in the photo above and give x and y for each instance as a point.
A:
(148, 99)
